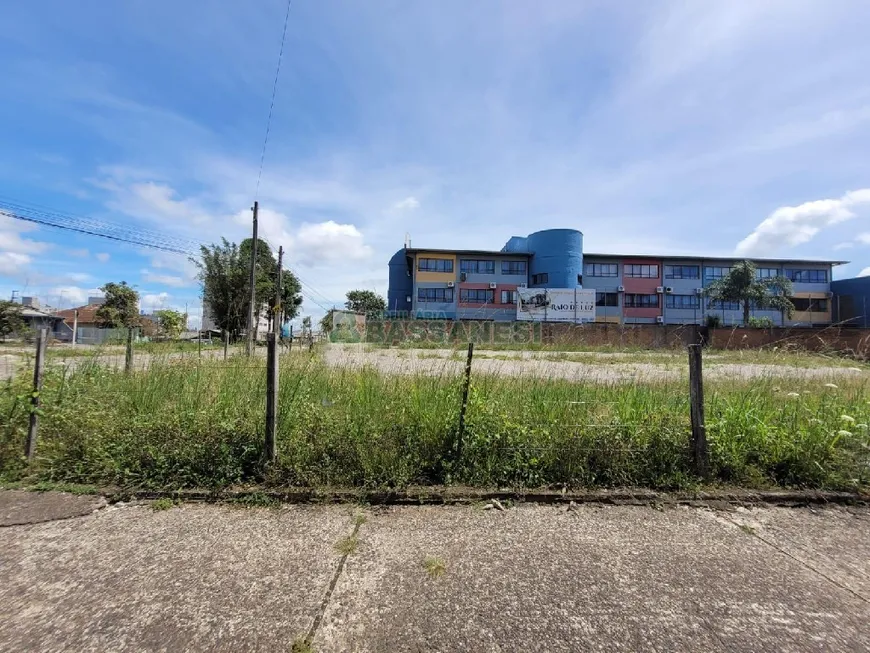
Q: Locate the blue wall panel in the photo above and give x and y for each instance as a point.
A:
(559, 254)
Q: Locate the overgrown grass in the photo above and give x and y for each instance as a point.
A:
(200, 423)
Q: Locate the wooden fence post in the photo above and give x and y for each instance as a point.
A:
(700, 455)
(226, 343)
(270, 448)
(128, 356)
(465, 385)
(39, 366)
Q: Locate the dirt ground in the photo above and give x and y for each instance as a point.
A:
(592, 367)
(549, 578)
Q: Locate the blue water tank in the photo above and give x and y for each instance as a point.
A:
(516, 244)
(400, 283)
(558, 253)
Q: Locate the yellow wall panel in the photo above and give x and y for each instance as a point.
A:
(438, 277)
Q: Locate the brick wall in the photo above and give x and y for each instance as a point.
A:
(855, 342)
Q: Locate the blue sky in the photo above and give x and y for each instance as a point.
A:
(653, 127)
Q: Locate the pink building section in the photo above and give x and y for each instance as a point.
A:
(642, 287)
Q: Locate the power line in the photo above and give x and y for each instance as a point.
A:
(92, 227)
(272, 103)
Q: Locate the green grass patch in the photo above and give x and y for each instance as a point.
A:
(347, 545)
(199, 423)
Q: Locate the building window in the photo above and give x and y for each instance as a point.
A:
(632, 300)
(606, 299)
(716, 272)
(508, 296)
(601, 270)
(724, 306)
(476, 296)
(766, 273)
(435, 265)
(682, 272)
(540, 279)
(687, 302)
(435, 295)
(514, 267)
(642, 271)
(472, 266)
(803, 304)
(807, 276)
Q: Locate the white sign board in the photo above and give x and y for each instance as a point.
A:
(556, 304)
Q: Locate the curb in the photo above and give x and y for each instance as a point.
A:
(467, 496)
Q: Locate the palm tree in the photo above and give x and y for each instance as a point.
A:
(742, 285)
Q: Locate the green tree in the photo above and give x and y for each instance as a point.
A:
(326, 321)
(120, 308)
(171, 323)
(365, 301)
(742, 285)
(10, 319)
(224, 271)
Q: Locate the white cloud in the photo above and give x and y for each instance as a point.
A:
(71, 295)
(78, 277)
(164, 279)
(79, 253)
(407, 204)
(153, 301)
(788, 226)
(329, 242)
(864, 273)
(15, 250)
(840, 246)
(102, 257)
(12, 262)
(864, 238)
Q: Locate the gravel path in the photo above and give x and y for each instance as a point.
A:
(444, 362)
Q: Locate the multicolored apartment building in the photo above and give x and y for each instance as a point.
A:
(630, 289)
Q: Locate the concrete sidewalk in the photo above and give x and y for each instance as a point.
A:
(531, 578)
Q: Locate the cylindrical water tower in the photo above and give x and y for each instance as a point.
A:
(558, 253)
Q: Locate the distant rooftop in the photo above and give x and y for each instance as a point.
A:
(684, 257)
(676, 257)
(469, 252)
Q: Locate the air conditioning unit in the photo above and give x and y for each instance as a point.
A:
(660, 319)
(699, 291)
(660, 289)
(450, 284)
(620, 289)
(493, 285)
(521, 285)
(669, 289)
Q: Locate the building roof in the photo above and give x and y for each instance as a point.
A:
(676, 257)
(465, 252)
(29, 311)
(87, 314)
(683, 257)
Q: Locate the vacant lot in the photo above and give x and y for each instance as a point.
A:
(391, 418)
(597, 367)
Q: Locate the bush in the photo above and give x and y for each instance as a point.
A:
(760, 322)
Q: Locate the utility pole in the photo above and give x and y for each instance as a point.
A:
(276, 320)
(253, 298)
(270, 446)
